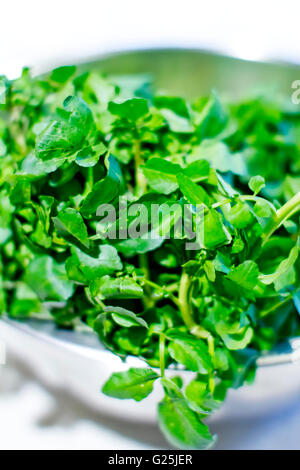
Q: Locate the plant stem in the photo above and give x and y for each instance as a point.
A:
(211, 346)
(211, 350)
(140, 180)
(184, 304)
(164, 290)
(141, 184)
(144, 265)
(171, 287)
(100, 303)
(89, 182)
(162, 355)
(196, 330)
(264, 313)
(186, 310)
(221, 203)
(286, 211)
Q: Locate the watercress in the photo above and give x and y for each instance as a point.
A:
(71, 142)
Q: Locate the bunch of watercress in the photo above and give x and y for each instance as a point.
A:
(71, 142)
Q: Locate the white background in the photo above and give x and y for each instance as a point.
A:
(34, 32)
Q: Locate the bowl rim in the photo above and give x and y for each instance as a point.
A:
(87, 343)
(42, 67)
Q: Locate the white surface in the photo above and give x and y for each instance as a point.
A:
(33, 417)
(2, 353)
(33, 31)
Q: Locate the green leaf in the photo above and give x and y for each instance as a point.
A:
(195, 393)
(286, 280)
(222, 263)
(238, 245)
(63, 74)
(166, 259)
(240, 215)
(210, 270)
(70, 222)
(212, 230)
(175, 112)
(161, 175)
(282, 268)
(26, 303)
(135, 383)
(120, 288)
(201, 400)
(221, 361)
(218, 155)
(131, 109)
(105, 261)
(62, 139)
(264, 208)
(142, 245)
(124, 317)
(48, 279)
(89, 156)
(104, 191)
(212, 117)
(245, 275)
(256, 184)
(234, 335)
(189, 351)
(179, 423)
(192, 191)
(174, 103)
(238, 340)
(177, 123)
(34, 168)
(198, 170)
(21, 192)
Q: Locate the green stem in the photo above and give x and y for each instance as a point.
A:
(285, 212)
(184, 304)
(162, 355)
(274, 307)
(89, 182)
(141, 185)
(211, 350)
(97, 301)
(196, 330)
(164, 290)
(211, 346)
(144, 265)
(221, 203)
(140, 180)
(186, 310)
(171, 287)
